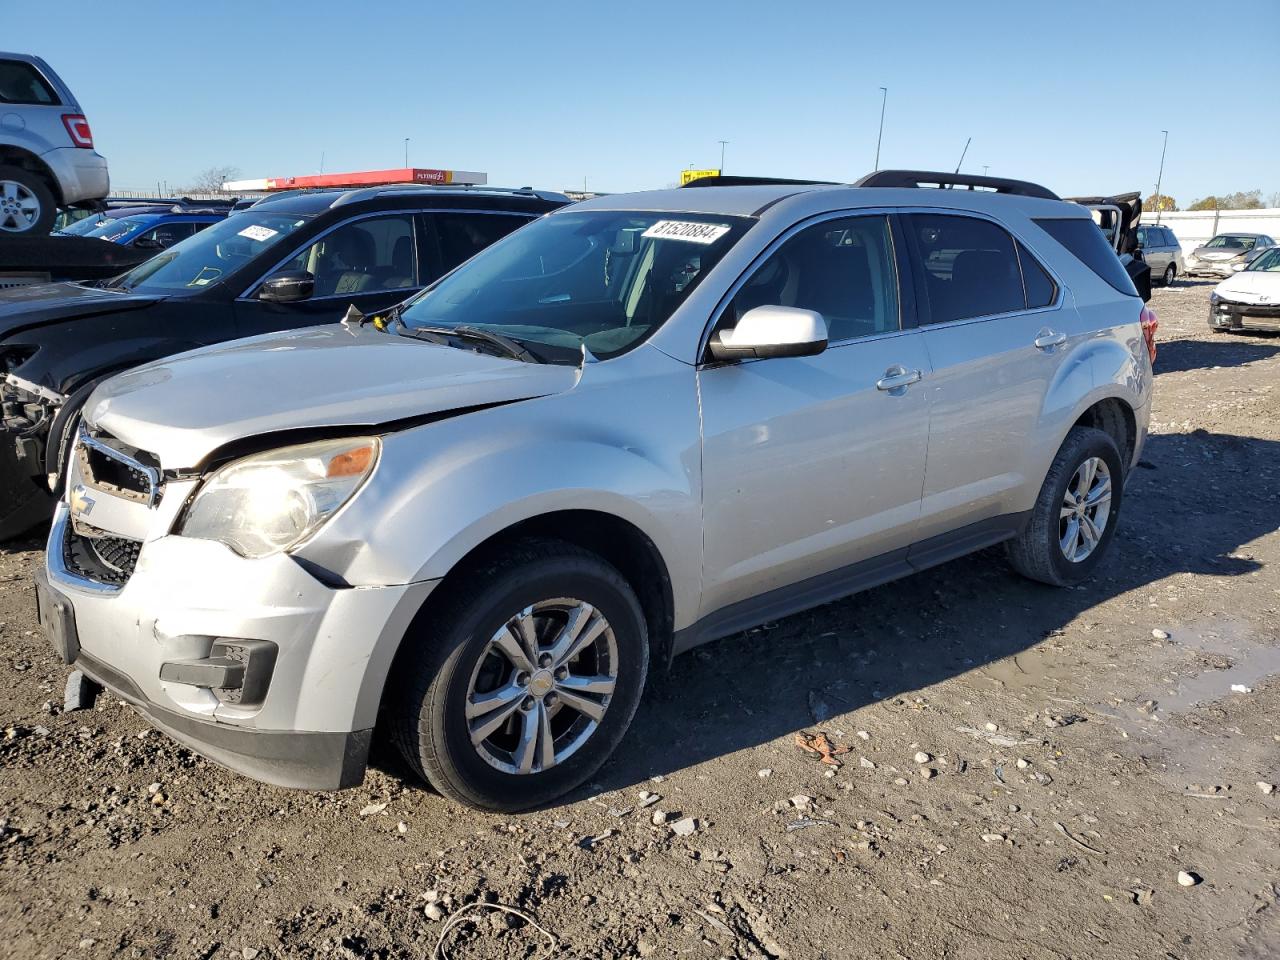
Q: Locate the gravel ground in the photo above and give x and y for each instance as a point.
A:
(1028, 770)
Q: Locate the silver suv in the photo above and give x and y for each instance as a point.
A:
(47, 158)
(638, 424)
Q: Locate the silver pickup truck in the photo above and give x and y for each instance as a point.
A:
(47, 158)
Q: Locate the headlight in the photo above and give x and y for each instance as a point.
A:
(273, 501)
(1213, 299)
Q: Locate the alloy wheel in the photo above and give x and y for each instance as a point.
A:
(1086, 508)
(542, 686)
(19, 207)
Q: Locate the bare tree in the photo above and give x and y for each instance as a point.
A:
(212, 179)
(1273, 199)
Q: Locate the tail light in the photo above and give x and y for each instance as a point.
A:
(1149, 324)
(78, 128)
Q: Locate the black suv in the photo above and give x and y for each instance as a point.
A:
(288, 261)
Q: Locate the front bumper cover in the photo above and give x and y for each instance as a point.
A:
(335, 645)
(1228, 315)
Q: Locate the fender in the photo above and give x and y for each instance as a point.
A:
(442, 489)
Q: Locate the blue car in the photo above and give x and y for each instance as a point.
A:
(156, 230)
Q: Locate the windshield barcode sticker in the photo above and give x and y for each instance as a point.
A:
(686, 230)
(256, 232)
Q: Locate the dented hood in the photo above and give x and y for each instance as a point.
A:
(22, 308)
(185, 407)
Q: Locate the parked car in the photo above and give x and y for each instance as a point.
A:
(1221, 255)
(1162, 251)
(47, 158)
(640, 423)
(1250, 298)
(158, 229)
(296, 262)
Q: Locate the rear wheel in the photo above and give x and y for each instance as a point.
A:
(1170, 272)
(26, 203)
(522, 685)
(1075, 516)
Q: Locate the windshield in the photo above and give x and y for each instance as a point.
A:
(83, 226)
(1229, 242)
(211, 255)
(118, 231)
(1268, 262)
(607, 279)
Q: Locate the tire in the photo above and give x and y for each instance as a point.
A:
(1038, 553)
(1170, 272)
(450, 657)
(27, 206)
(24, 505)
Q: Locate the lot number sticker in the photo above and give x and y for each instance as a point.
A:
(258, 233)
(686, 230)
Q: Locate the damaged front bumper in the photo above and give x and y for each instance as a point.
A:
(27, 412)
(1229, 315)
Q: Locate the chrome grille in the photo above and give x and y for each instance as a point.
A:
(108, 466)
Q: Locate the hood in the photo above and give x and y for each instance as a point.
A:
(22, 308)
(1251, 286)
(1219, 253)
(185, 407)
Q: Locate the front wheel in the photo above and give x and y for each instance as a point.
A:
(1074, 517)
(521, 685)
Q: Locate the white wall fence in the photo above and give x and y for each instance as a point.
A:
(1194, 227)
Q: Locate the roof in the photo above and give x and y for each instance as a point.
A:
(311, 202)
(750, 201)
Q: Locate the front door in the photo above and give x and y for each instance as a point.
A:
(371, 262)
(813, 464)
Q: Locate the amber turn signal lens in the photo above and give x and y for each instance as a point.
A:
(352, 463)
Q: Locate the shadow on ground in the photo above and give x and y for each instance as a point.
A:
(1232, 350)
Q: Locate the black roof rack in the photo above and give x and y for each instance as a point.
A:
(950, 181)
(723, 181)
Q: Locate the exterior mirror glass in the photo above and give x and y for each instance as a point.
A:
(771, 331)
(287, 286)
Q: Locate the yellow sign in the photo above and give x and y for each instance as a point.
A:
(687, 176)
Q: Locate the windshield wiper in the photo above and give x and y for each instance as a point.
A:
(506, 345)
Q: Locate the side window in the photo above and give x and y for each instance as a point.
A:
(167, 234)
(1040, 288)
(462, 235)
(363, 256)
(843, 269)
(1147, 237)
(21, 83)
(968, 265)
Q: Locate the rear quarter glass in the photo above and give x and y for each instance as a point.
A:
(1084, 241)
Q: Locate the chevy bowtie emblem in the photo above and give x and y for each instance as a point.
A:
(81, 502)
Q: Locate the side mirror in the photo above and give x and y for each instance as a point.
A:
(770, 331)
(287, 286)
(1237, 267)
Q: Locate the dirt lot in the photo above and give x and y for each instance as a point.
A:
(1077, 763)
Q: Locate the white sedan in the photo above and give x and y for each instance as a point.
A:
(1249, 299)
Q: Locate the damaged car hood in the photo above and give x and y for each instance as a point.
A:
(22, 308)
(1251, 286)
(185, 407)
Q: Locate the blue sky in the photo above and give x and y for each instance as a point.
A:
(1071, 94)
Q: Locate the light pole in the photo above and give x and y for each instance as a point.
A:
(406, 152)
(884, 97)
(985, 168)
(1160, 175)
(722, 144)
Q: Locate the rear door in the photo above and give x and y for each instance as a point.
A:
(814, 464)
(995, 330)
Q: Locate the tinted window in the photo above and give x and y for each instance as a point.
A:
(1040, 288)
(1147, 237)
(968, 265)
(462, 235)
(22, 83)
(1087, 245)
(166, 234)
(843, 269)
(362, 257)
